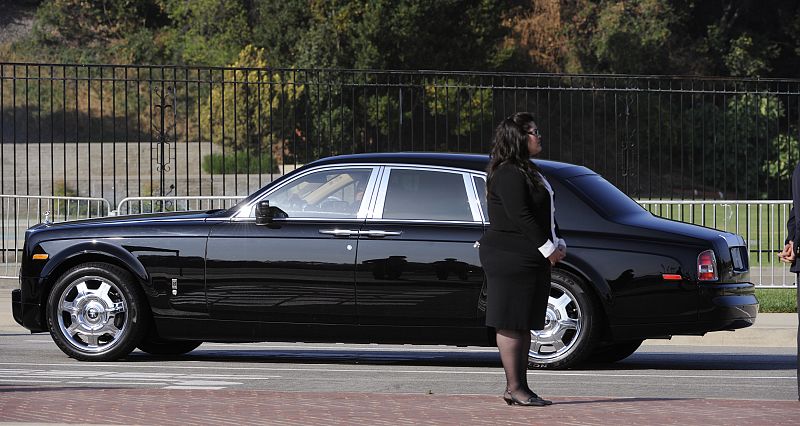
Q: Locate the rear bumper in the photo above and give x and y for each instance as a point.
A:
(722, 306)
(727, 306)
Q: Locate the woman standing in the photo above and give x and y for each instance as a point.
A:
(518, 250)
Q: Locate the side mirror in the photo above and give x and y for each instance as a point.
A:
(263, 213)
(266, 213)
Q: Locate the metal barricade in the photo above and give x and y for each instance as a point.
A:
(762, 223)
(20, 212)
(137, 205)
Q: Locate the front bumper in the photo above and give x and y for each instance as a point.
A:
(26, 307)
(16, 305)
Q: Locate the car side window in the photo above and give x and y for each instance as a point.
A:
(426, 195)
(335, 194)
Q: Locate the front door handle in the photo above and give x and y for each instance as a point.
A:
(339, 232)
(379, 234)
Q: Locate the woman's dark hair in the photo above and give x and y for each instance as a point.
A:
(510, 146)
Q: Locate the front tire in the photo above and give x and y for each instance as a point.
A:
(96, 312)
(570, 329)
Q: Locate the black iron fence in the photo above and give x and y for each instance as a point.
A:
(117, 131)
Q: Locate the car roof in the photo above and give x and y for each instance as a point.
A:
(477, 162)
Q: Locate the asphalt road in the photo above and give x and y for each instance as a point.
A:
(655, 371)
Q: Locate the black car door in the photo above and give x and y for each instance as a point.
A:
(417, 261)
(298, 269)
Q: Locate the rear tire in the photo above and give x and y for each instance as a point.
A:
(96, 312)
(571, 324)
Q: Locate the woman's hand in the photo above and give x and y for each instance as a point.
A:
(557, 255)
(787, 255)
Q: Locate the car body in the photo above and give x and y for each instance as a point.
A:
(375, 248)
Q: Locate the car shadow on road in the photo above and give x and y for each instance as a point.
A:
(455, 358)
(328, 356)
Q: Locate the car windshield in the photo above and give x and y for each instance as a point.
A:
(606, 197)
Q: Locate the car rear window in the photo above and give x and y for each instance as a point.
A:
(605, 197)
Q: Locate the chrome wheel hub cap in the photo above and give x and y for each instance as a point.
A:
(562, 326)
(92, 314)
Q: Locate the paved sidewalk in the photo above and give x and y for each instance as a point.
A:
(190, 407)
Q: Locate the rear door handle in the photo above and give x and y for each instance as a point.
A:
(379, 234)
(339, 232)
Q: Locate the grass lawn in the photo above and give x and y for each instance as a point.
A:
(777, 299)
(763, 225)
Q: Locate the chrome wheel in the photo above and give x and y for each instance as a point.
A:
(564, 322)
(93, 314)
(97, 312)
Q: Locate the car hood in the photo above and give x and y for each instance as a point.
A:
(149, 218)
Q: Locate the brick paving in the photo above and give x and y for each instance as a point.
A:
(28, 404)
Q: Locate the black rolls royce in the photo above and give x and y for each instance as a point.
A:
(375, 248)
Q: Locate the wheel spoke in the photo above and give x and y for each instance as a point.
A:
(70, 308)
(109, 328)
(82, 289)
(558, 345)
(92, 339)
(568, 323)
(102, 292)
(561, 303)
(72, 330)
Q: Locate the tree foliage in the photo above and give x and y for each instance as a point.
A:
(247, 106)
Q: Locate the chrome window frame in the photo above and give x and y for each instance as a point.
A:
(473, 175)
(466, 177)
(246, 213)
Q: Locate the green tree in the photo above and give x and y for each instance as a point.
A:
(206, 32)
(92, 30)
(248, 106)
(384, 34)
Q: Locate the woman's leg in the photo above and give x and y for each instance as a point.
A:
(511, 344)
(523, 360)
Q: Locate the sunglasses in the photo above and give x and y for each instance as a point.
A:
(535, 132)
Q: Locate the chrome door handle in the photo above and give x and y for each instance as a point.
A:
(339, 232)
(379, 234)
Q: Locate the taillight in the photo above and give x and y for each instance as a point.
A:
(707, 266)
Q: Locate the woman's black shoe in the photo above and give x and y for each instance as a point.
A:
(533, 401)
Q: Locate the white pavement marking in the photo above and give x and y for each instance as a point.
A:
(116, 378)
(195, 387)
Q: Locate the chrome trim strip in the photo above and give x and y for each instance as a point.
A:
(472, 197)
(339, 232)
(484, 215)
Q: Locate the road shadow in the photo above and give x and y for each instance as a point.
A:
(701, 361)
(334, 356)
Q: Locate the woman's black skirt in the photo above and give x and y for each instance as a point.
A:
(518, 287)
